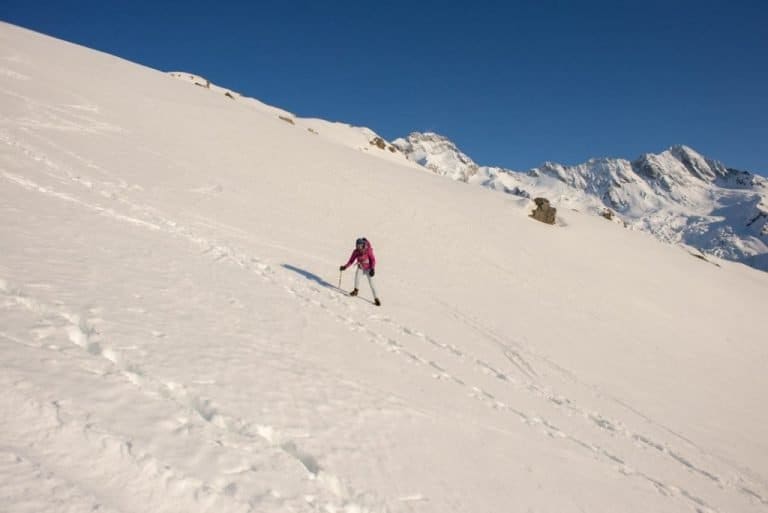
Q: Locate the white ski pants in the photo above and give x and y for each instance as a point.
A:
(366, 273)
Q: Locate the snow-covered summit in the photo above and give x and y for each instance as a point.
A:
(437, 153)
(677, 195)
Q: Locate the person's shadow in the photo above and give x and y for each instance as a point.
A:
(310, 276)
(317, 279)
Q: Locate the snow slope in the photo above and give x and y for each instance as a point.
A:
(171, 339)
(678, 196)
(358, 138)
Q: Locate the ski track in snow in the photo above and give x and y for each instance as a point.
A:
(244, 434)
(379, 329)
(67, 496)
(67, 118)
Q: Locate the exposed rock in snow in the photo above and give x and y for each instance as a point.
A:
(544, 212)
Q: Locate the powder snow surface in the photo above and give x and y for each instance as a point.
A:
(172, 339)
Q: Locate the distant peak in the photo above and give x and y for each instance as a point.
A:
(681, 150)
(438, 153)
(428, 136)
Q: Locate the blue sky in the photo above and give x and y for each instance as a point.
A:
(512, 83)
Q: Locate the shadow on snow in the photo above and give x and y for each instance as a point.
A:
(317, 279)
(310, 276)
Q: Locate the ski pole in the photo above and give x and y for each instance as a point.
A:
(340, 278)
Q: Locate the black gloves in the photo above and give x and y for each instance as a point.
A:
(342, 268)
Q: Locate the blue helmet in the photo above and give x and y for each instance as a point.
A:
(362, 241)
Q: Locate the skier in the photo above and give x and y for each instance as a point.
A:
(366, 262)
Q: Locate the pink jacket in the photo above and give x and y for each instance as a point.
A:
(365, 258)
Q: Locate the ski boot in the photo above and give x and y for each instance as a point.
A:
(353, 293)
(376, 301)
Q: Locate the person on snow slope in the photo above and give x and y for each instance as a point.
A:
(366, 263)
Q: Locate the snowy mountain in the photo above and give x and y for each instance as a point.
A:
(172, 338)
(678, 196)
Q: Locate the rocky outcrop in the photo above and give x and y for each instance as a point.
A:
(379, 143)
(543, 211)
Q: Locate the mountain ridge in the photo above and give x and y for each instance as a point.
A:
(677, 195)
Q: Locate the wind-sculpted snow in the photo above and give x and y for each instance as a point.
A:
(172, 338)
(678, 196)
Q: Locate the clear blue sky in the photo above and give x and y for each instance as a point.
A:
(512, 83)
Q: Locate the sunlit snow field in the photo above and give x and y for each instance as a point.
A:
(172, 338)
